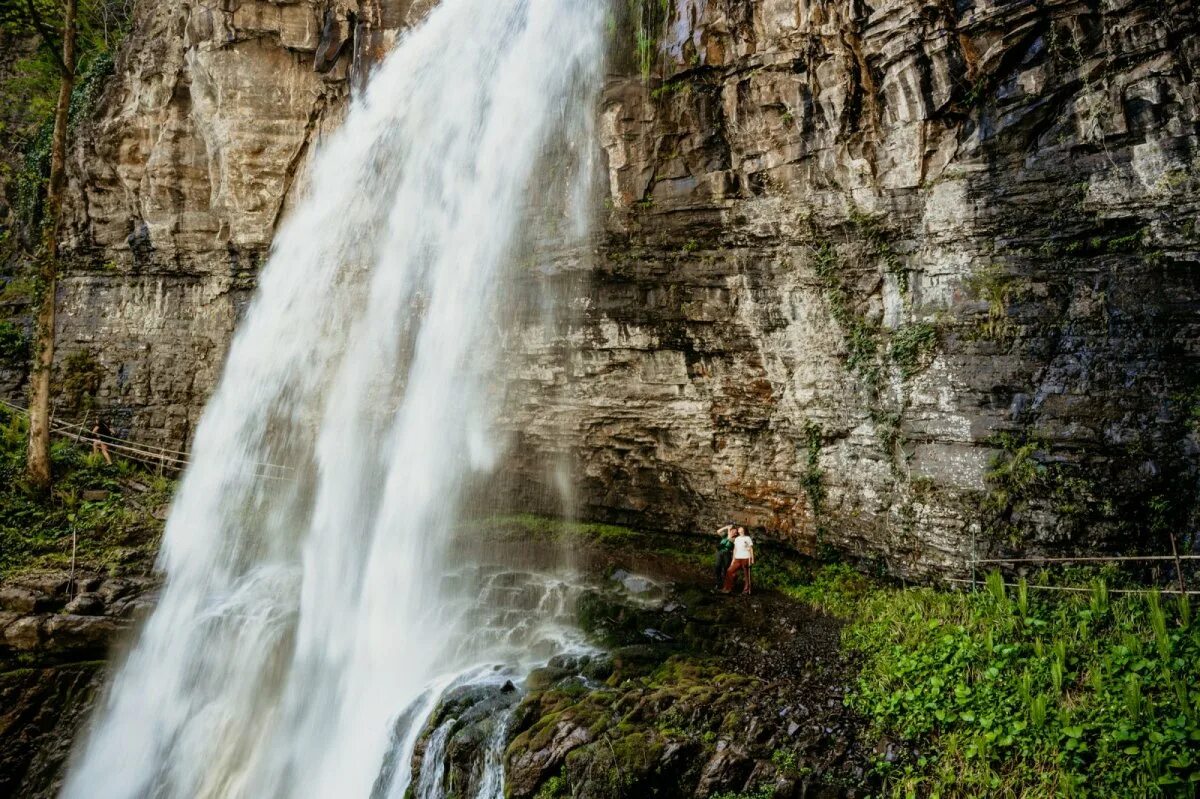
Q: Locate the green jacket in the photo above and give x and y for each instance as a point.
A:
(725, 544)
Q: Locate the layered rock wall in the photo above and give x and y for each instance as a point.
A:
(905, 279)
(181, 177)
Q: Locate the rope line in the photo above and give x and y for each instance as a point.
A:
(1092, 559)
(149, 454)
(962, 581)
(110, 439)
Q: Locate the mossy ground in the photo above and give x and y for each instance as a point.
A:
(1002, 692)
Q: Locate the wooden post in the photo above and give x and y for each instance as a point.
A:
(1178, 568)
(74, 543)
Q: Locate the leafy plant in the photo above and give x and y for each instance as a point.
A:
(912, 347)
(1078, 694)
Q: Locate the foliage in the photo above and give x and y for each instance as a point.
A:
(871, 229)
(912, 346)
(30, 180)
(1004, 693)
(14, 345)
(29, 94)
(1024, 473)
(649, 18)
(812, 478)
(553, 788)
(998, 289)
(115, 534)
(861, 335)
(79, 379)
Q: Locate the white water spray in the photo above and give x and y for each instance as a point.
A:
(307, 623)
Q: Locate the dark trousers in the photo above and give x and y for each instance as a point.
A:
(731, 575)
(724, 558)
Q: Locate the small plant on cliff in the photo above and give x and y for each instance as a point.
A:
(993, 286)
(861, 336)
(912, 347)
(79, 380)
(649, 19)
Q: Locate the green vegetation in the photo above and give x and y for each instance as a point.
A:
(871, 229)
(1003, 692)
(30, 93)
(993, 286)
(1012, 693)
(116, 526)
(912, 347)
(1023, 474)
(860, 333)
(648, 19)
(14, 345)
(812, 478)
(79, 379)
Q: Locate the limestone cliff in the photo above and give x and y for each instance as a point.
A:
(903, 278)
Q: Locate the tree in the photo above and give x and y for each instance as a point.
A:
(43, 349)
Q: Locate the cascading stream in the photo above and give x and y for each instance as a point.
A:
(307, 625)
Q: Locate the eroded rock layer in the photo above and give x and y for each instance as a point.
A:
(906, 279)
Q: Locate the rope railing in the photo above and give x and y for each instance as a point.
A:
(1075, 589)
(1088, 559)
(1175, 558)
(148, 454)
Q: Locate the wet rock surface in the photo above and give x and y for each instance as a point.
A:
(55, 632)
(41, 711)
(690, 693)
(737, 693)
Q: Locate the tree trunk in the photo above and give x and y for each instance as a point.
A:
(43, 357)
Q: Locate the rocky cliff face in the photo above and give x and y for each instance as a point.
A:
(906, 279)
(181, 177)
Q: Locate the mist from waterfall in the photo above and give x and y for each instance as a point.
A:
(312, 611)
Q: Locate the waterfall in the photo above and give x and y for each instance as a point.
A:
(308, 622)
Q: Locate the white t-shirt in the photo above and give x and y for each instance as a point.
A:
(742, 546)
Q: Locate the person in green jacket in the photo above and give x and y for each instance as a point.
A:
(724, 554)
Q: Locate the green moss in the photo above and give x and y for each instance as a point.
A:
(553, 788)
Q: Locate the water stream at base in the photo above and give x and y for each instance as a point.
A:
(312, 617)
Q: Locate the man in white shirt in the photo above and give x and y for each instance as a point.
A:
(743, 559)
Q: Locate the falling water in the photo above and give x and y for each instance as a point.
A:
(310, 618)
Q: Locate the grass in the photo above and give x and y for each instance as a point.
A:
(117, 534)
